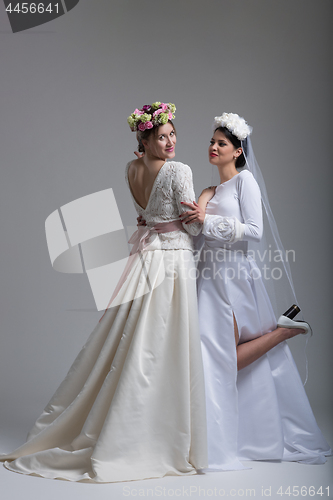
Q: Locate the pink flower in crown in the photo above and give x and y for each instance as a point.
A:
(164, 106)
(157, 112)
(142, 126)
(170, 116)
(138, 111)
(149, 125)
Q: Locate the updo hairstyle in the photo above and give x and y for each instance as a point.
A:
(240, 161)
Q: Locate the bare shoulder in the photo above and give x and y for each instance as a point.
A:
(134, 168)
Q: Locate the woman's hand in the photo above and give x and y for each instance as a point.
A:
(141, 221)
(197, 214)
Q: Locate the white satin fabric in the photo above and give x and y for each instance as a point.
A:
(132, 405)
(262, 412)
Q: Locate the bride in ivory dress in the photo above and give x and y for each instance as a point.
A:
(260, 412)
(132, 405)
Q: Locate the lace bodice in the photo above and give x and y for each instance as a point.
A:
(173, 184)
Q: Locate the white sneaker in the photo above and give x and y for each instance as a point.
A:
(286, 322)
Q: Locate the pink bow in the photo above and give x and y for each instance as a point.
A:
(140, 238)
(140, 241)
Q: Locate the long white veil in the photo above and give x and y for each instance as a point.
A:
(269, 253)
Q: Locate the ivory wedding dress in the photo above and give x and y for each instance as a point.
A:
(262, 412)
(132, 405)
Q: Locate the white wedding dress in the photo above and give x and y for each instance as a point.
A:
(262, 412)
(132, 405)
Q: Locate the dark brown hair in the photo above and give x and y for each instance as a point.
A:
(240, 162)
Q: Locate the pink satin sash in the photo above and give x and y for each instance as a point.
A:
(140, 241)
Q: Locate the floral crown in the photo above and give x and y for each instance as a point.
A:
(234, 123)
(148, 117)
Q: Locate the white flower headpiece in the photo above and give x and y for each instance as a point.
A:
(234, 123)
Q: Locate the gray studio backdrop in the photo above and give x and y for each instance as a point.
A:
(66, 89)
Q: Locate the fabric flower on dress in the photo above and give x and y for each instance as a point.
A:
(226, 229)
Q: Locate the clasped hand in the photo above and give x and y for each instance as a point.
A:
(197, 214)
(141, 221)
(194, 215)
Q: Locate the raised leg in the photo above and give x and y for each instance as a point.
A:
(250, 351)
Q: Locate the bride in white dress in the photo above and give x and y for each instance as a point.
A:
(132, 405)
(260, 412)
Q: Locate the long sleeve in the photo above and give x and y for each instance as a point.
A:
(226, 229)
(251, 208)
(230, 229)
(183, 190)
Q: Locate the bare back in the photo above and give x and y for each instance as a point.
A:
(141, 181)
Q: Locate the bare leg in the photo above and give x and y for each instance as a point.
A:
(236, 331)
(253, 349)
